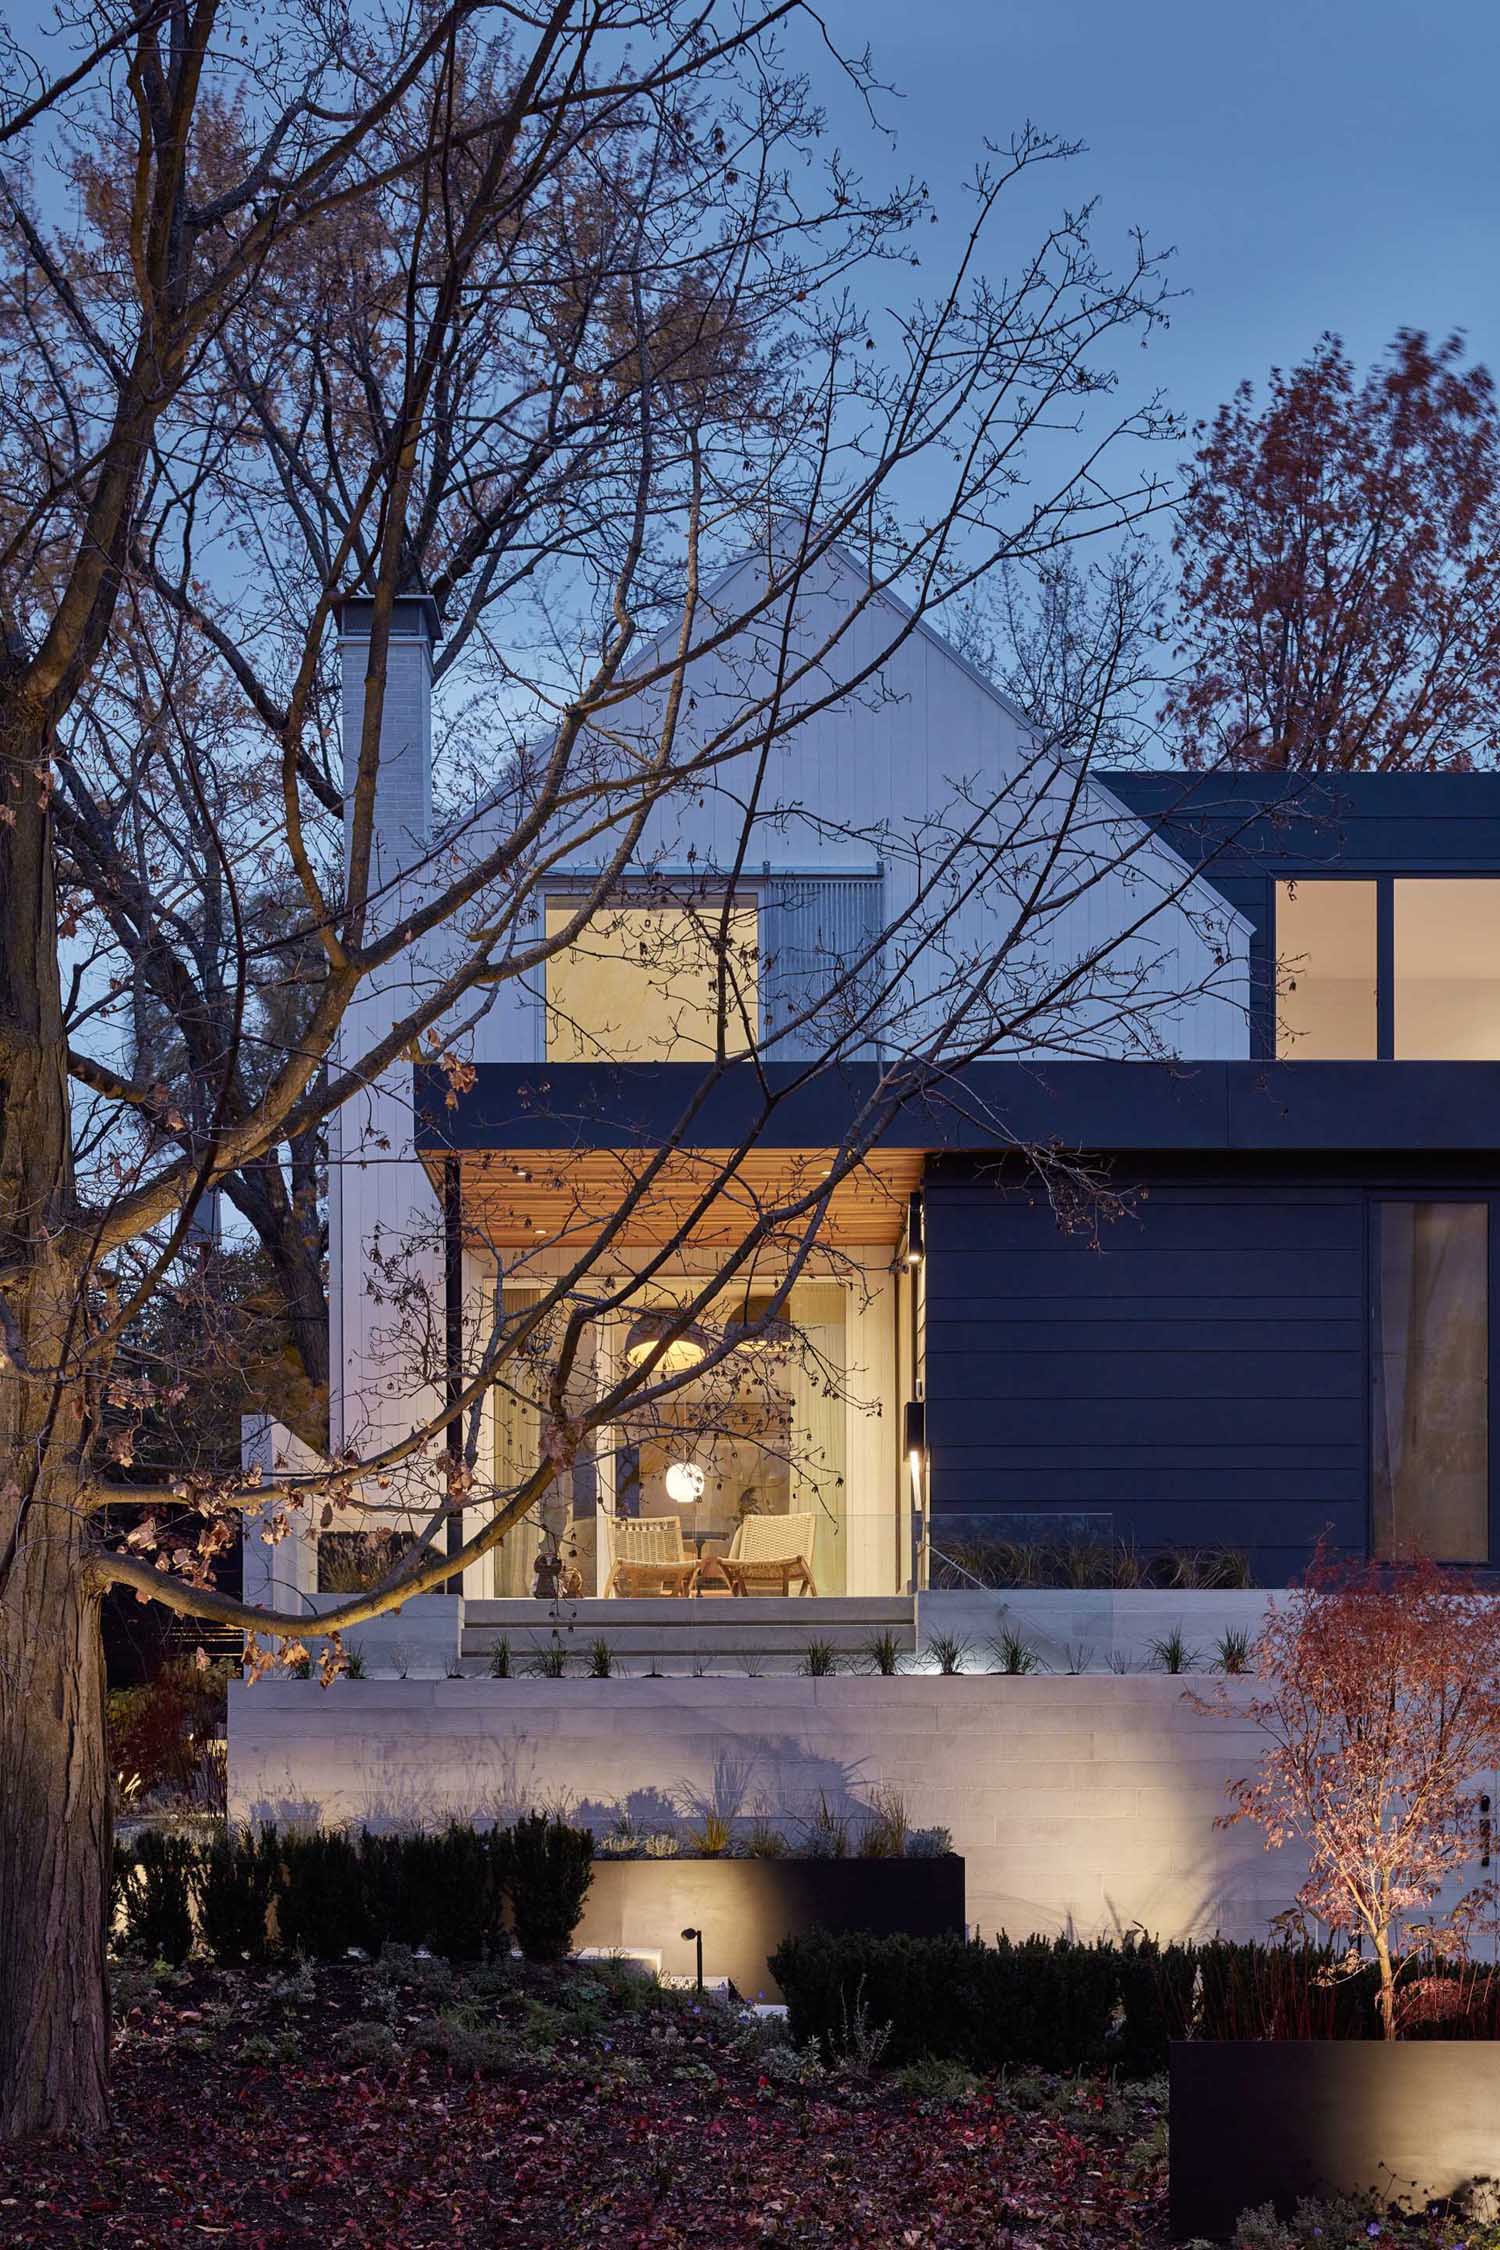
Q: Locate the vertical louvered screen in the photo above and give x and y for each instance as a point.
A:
(813, 929)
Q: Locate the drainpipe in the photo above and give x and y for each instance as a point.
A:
(453, 1353)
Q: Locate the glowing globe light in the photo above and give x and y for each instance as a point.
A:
(685, 1483)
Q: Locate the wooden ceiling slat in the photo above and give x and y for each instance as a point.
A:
(526, 1197)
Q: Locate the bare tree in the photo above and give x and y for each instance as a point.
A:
(543, 331)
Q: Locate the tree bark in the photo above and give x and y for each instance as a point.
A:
(54, 1803)
(1387, 1985)
(55, 1846)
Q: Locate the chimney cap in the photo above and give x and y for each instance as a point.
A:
(412, 616)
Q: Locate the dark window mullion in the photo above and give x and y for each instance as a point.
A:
(1385, 967)
(1492, 1366)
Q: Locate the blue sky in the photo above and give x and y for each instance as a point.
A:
(1316, 163)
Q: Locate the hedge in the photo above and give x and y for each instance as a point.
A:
(1060, 2005)
(321, 1892)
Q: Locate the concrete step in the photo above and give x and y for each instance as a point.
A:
(719, 1632)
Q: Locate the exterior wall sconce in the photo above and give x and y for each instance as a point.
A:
(916, 1448)
(916, 1230)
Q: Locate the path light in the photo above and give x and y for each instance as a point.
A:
(697, 1938)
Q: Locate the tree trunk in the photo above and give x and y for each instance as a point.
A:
(54, 1845)
(54, 1805)
(1387, 1986)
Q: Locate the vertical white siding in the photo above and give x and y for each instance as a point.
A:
(889, 773)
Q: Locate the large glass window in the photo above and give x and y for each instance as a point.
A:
(1430, 1391)
(1447, 970)
(1326, 1009)
(761, 1437)
(642, 984)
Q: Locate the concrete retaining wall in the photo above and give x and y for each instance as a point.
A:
(1076, 1802)
(1091, 1629)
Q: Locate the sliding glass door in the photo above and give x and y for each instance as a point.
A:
(1430, 1380)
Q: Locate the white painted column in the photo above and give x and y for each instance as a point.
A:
(872, 1503)
(283, 1575)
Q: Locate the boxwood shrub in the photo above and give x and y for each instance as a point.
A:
(1055, 2004)
(1046, 2002)
(320, 1892)
(545, 1870)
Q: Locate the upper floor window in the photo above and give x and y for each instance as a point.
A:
(1326, 948)
(1388, 966)
(642, 983)
(1447, 970)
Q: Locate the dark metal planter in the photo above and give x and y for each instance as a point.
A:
(1266, 2121)
(745, 1907)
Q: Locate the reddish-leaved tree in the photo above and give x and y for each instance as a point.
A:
(1340, 555)
(1381, 1712)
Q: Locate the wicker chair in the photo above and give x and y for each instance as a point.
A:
(650, 1557)
(769, 1552)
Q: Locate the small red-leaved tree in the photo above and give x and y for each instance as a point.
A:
(1340, 552)
(1381, 1712)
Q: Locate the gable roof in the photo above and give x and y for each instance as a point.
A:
(1195, 888)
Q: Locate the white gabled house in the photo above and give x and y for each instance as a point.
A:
(1286, 1331)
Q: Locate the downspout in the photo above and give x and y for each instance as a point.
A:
(453, 1352)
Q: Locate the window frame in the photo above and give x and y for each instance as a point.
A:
(1384, 928)
(1385, 881)
(744, 895)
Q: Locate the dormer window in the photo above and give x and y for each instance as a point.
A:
(1403, 968)
(1326, 978)
(643, 982)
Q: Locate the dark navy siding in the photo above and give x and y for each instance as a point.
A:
(1244, 831)
(1199, 1374)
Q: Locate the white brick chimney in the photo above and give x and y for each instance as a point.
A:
(380, 1200)
(403, 794)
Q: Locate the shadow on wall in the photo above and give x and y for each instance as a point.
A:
(512, 1777)
(776, 1778)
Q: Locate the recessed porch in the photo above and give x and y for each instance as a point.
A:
(796, 1427)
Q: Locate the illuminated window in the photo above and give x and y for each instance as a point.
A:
(1447, 971)
(1326, 972)
(1430, 1387)
(643, 984)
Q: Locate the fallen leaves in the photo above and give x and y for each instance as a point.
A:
(595, 2139)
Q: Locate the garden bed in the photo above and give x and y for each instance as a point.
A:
(412, 2103)
(407, 2104)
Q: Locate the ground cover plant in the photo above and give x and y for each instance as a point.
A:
(418, 2102)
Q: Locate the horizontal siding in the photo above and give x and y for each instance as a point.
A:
(1185, 1325)
(1197, 1372)
(1021, 1277)
(1097, 1367)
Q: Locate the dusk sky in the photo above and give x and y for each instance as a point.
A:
(1316, 163)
